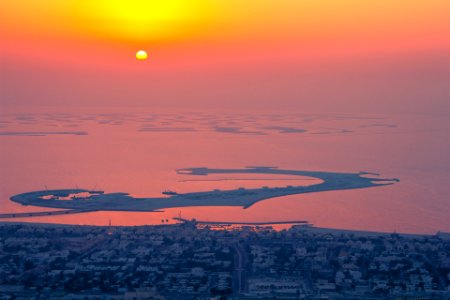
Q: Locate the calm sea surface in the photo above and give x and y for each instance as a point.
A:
(138, 151)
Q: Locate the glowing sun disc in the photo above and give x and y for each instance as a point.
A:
(141, 55)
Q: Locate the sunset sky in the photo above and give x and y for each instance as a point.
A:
(327, 55)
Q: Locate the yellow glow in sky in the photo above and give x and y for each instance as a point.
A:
(142, 20)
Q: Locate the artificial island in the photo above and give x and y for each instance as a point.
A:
(83, 200)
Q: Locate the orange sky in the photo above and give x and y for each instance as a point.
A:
(221, 37)
(56, 29)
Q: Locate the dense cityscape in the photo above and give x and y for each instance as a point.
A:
(188, 261)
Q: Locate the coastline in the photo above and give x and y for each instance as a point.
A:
(306, 228)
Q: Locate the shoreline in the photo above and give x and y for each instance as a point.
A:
(305, 227)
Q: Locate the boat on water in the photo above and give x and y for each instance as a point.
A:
(169, 192)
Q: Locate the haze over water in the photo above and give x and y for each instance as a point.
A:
(321, 85)
(138, 152)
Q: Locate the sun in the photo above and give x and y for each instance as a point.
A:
(141, 55)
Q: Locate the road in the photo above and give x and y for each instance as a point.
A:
(239, 273)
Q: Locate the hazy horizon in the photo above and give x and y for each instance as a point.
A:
(338, 86)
